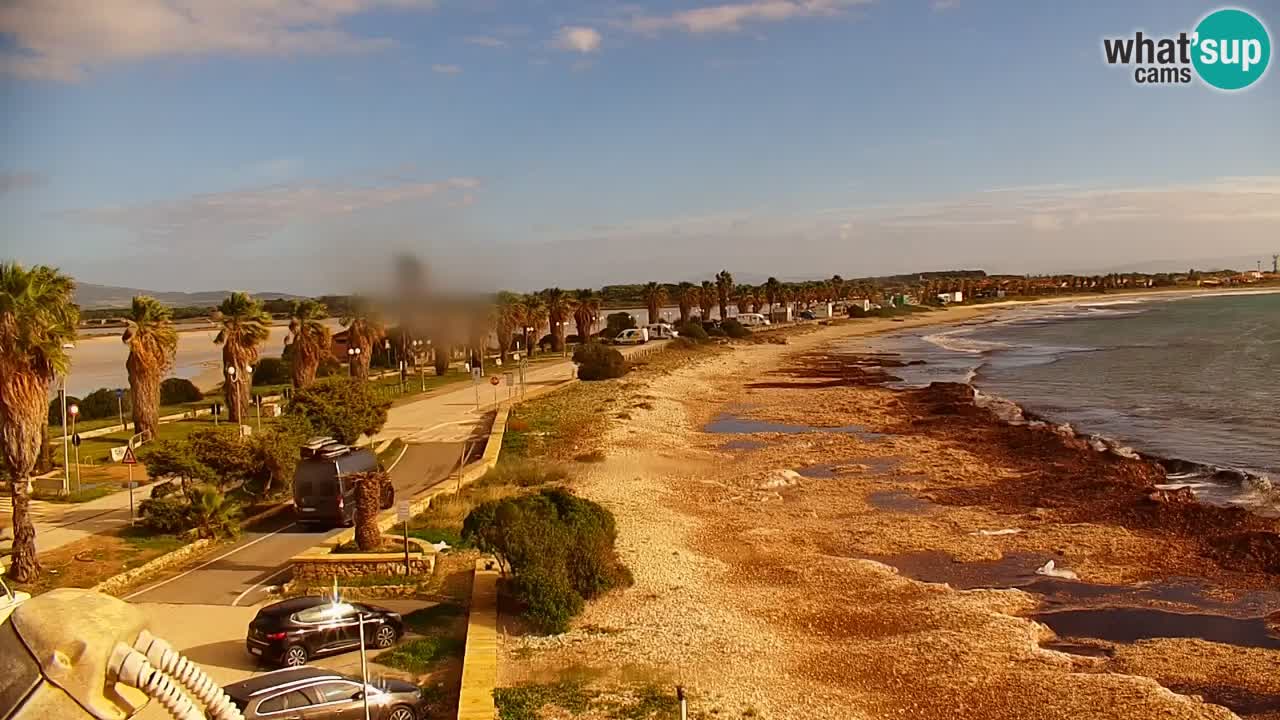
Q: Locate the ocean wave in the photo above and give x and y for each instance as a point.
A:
(957, 341)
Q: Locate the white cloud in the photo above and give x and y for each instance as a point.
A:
(576, 38)
(940, 5)
(243, 216)
(446, 69)
(63, 39)
(731, 17)
(485, 41)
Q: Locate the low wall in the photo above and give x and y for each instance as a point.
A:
(320, 569)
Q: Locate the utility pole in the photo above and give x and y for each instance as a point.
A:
(1275, 263)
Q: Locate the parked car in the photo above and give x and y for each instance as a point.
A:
(752, 319)
(807, 315)
(323, 492)
(291, 632)
(632, 336)
(317, 694)
(661, 331)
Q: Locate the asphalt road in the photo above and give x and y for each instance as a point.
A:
(239, 575)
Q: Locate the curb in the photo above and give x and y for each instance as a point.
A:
(116, 583)
(268, 513)
(480, 658)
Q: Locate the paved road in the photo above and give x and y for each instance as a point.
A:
(241, 574)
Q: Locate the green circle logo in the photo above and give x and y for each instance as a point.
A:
(1231, 49)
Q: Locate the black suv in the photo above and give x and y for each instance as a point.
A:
(290, 632)
(314, 694)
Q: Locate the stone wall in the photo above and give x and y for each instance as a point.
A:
(320, 569)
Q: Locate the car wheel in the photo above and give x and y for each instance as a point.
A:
(385, 637)
(294, 656)
(402, 712)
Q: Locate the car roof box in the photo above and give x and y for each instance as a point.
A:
(314, 446)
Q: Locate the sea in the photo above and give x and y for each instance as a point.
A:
(1190, 380)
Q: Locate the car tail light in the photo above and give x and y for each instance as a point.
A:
(275, 636)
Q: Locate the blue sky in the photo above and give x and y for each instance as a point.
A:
(296, 144)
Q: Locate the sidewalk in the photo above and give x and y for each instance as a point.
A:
(59, 524)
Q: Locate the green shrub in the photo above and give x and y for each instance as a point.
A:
(175, 391)
(559, 549)
(55, 410)
(734, 329)
(342, 408)
(166, 515)
(716, 332)
(616, 323)
(597, 361)
(202, 508)
(693, 331)
(271, 371)
(102, 403)
(417, 656)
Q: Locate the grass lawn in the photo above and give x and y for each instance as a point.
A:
(98, 449)
(55, 431)
(88, 561)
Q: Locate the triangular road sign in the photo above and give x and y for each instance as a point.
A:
(129, 459)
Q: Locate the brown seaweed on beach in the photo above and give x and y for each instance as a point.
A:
(1059, 471)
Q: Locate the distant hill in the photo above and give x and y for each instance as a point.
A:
(91, 297)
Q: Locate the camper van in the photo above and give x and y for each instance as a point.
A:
(324, 493)
(752, 319)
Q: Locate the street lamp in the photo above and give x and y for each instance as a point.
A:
(75, 412)
(352, 353)
(66, 439)
(386, 345)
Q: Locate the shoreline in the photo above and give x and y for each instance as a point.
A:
(778, 551)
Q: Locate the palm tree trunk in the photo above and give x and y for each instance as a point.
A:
(23, 402)
(234, 387)
(304, 368)
(443, 355)
(144, 389)
(361, 364)
(369, 493)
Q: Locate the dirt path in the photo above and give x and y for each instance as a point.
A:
(752, 591)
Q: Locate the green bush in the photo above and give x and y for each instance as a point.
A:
(616, 323)
(683, 343)
(597, 361)
(271, 371)
(559, 549)
(716, 332)
(342, 408)
(102, 403)
(175, 391)
(734, 329)
(55, 410)
(692, 330)
(202, 508)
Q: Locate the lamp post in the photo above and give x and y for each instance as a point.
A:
(75, 412)
(352, 353)
(527, 348)
(235, 392)
(66, 439)
(386, 345)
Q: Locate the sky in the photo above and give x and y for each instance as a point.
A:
(298, 145)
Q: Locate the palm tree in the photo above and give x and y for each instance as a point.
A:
(37, 318)
(655, 296)
(743, 294)
(706, 299)
(724, 283)
(213, 513)
(309, 338)
(559, 310)
(772, 289)
(586, 312)
(535, 316)
(364, 328)
(686, 297)
(369, 491)
(152, 343)
(508, 316)
(244, 326)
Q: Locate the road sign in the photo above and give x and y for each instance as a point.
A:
(129, 459)
(75, 440)
(494, 380)
(119, 393)
(475, 373)
(402, 510)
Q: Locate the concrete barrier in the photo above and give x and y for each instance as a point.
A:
(480, 659)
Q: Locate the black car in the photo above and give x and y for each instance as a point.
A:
(313, 694)
(290, 632)
(807, 315)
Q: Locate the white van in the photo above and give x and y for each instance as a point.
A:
(752, 319)
(661, 331)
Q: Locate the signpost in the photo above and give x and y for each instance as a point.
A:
(215, 410)
(402, 510)
(120, 406)
(475, 383)
(494, 382)
(130, 461)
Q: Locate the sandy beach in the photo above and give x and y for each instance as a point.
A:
(809, 544)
